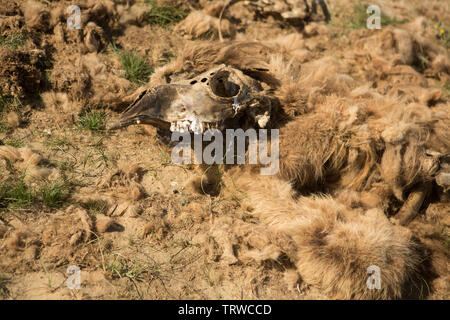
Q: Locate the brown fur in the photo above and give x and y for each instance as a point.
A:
(361, 146)
(92, 79)
(29, 163)
(334, 243)
(200, 25)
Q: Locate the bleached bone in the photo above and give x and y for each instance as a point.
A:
(204, 102)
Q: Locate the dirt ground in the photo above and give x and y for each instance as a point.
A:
(112, 203)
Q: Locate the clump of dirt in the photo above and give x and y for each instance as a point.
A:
(9, 8)
(20, 72)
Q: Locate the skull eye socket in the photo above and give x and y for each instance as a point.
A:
(222, 87)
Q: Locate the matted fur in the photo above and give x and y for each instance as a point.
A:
(29, 163)
(351, 142)
(200, 25)
(334, 243)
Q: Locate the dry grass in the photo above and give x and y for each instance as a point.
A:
(14, 40)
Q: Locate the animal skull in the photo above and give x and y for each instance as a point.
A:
(218, 98)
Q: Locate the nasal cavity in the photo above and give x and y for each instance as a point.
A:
(221, 86)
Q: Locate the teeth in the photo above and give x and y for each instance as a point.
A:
(192, 124)
(195, 126)
(183, 125)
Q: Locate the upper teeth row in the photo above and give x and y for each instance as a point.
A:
(186, 125)
(192, 125)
